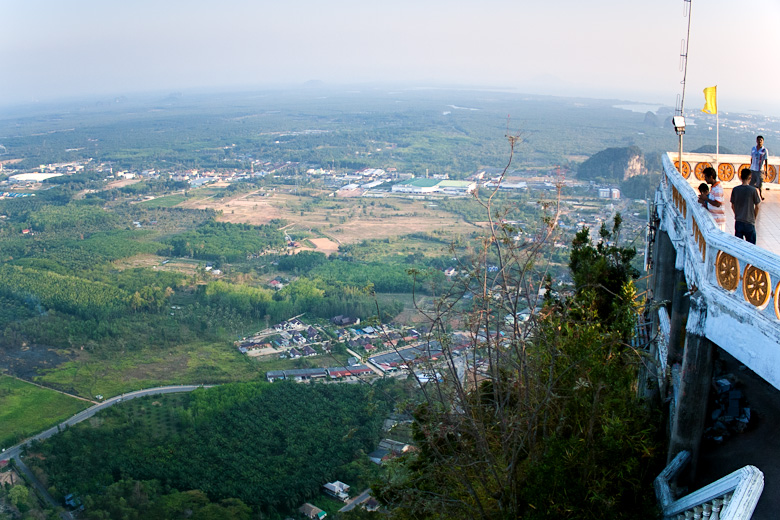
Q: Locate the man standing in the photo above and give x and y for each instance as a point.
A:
(744, 203)
(713, 201)
(759, 160)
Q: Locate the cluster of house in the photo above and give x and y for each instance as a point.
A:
(339, 491)
(404, 358)
(388, 449)
(370, 338)
(294, 336)
(306, 374)
(386, 362)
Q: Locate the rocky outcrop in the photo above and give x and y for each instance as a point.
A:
(614, 164)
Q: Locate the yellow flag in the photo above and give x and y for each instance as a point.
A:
(710, 100)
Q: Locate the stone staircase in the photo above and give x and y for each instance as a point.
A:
(733, 497)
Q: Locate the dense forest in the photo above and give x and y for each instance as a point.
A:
(240, 441)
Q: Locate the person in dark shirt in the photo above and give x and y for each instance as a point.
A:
(704, 191)
(744, 203)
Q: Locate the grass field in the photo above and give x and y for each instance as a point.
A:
(182, 364)
(26, 409)
(344, 220)
(163, 202)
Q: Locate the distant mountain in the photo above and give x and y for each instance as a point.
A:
(652, 120)
(710, 148)
(313, 83)
(613, 164)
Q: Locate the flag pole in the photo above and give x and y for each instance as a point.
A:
(717, 138)
(711, 107)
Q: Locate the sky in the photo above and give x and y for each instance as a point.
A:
(628, 50)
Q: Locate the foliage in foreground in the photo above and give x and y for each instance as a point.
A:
(549, 424)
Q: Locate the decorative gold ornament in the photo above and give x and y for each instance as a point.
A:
(777, 301)
(727, 270)
(755, 285)
(686, 168)
(771, 174)
(699, 170)
(726, 171)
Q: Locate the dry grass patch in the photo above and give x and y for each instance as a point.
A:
(343, 220)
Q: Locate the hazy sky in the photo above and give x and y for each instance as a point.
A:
(594, 48)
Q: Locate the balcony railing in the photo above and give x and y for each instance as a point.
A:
(739, 281)
(734, 497)
(728, 167)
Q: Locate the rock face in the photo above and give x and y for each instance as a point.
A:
(635, 166)
(615, 164)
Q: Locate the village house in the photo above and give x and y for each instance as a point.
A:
(344, 321)
(357, 370)
(273, 375)
(337, 489)
(313, 512)
(304, 374)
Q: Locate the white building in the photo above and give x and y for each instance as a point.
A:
(32, 177)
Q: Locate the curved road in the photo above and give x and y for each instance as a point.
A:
(15, 451)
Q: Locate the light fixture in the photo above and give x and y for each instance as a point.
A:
(679, 124)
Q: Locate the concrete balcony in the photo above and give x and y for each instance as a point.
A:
(738, 283)
(728, 167)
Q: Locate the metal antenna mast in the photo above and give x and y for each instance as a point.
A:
(684, 58)
(679, 120)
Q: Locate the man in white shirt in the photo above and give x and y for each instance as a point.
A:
(713, 201)
(759, 160)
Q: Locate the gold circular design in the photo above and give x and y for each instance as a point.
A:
(726, 171)
(686, 168)
(771, 174)
(699, 170)
(742, 167)
(755, 285)
(727, 270)
(777, 301)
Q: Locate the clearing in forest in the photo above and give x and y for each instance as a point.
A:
(26, 409)
(342, 220)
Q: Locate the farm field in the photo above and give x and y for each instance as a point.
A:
(26, 409)
(341, 220)
(181, 364)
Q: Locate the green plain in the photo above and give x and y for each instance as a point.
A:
(210, 363)
(26, 409)
(163, 202)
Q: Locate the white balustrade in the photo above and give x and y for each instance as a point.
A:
(733, 497)
(740, 282)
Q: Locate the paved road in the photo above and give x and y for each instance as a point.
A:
(362, 497)
(369, 365)
(15, 451)
(42, 491)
